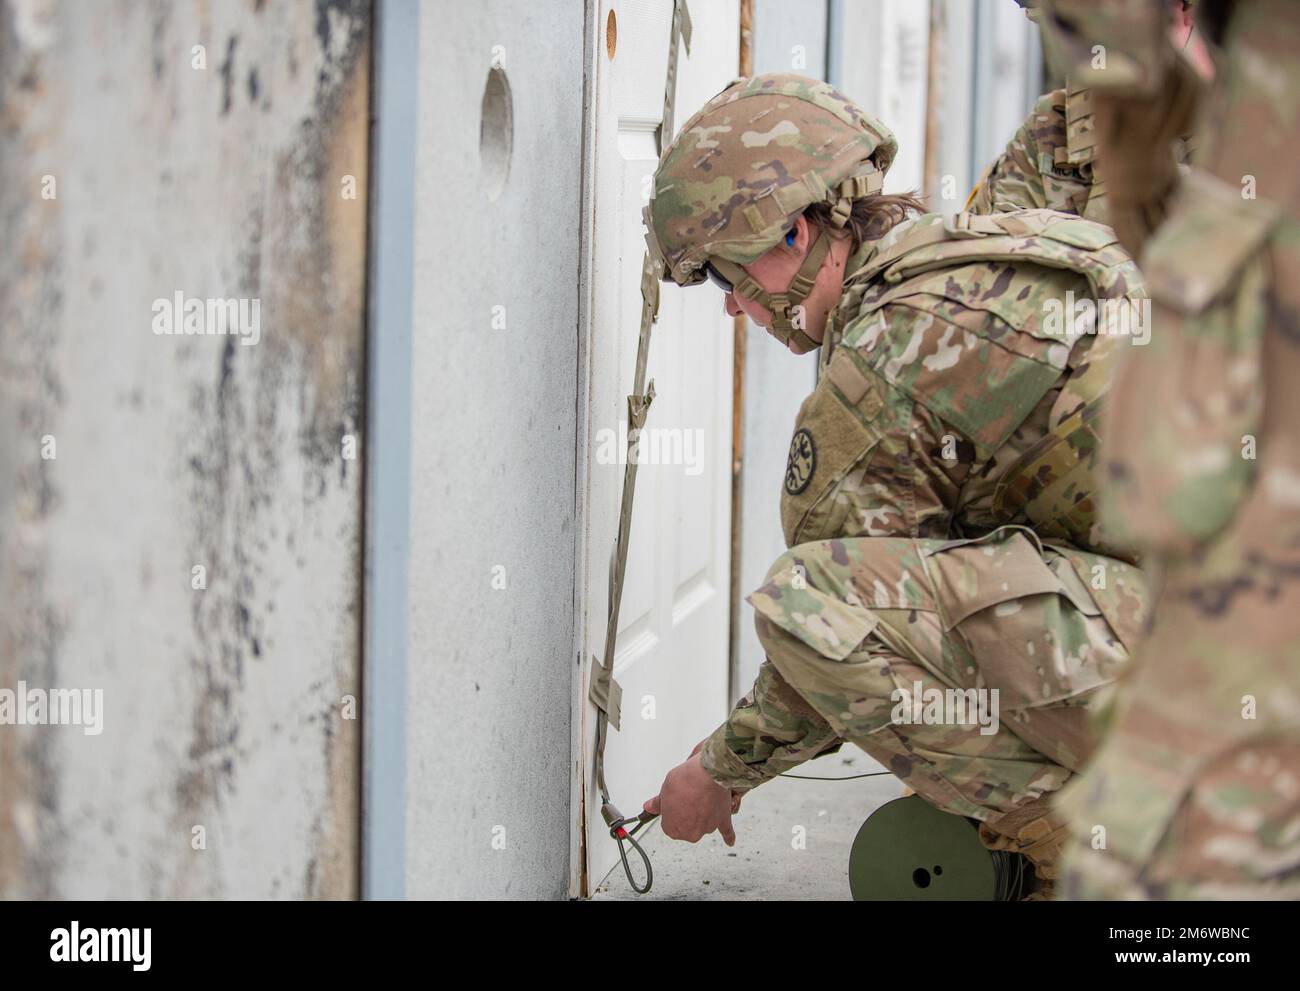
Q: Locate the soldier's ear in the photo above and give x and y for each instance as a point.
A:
(799, 236)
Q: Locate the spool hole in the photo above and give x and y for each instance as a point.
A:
(496, 132)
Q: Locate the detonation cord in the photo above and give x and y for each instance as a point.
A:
(621, 834)
(1008, 875)
(1008, 866)
(849, 777)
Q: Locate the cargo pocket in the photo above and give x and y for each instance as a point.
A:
(1015, 616)
(1115, 589)
(1184, 401)
(1040, 642)
(833, 435)
(832, 627)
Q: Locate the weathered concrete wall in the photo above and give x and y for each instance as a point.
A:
(494, 378)
(221, 704)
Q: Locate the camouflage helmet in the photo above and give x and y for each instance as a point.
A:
(749, 162)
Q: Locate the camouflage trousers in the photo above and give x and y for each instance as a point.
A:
(873, 632)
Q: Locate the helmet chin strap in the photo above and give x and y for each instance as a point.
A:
(781, 304)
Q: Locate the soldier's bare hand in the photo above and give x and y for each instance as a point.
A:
(691, 805)
(736, 796)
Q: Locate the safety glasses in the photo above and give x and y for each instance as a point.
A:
(717, 278)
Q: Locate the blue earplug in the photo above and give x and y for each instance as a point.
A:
(789, 238)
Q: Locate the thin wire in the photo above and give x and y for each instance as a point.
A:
(1008, 875)
(1008, 867)
(850, 777)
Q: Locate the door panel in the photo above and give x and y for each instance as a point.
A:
(672, 647)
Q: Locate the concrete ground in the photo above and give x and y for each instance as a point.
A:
(768, 860)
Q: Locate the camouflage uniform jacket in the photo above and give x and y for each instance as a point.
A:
(951, 403)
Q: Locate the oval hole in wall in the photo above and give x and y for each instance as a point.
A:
(611, 34)
(496, 132)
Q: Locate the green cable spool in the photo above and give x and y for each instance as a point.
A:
(908, 850)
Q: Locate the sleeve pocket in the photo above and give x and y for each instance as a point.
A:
(830, 626)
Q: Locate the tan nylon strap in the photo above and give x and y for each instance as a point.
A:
(790, 198)
(1080, 126)
(804, 341)
(921, 238)
(780, 304)
(866, 181)
(786, 200)
(603, 691)
(958, 226)
(681, 29)
(652, 239)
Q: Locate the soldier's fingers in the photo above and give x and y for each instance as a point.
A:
(728, 832)
(688, 834)
(652, 806)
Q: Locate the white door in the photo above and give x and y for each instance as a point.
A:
(671, 659)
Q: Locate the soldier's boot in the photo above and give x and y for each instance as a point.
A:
(1034, 832)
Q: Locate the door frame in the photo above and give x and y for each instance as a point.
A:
(579, 883)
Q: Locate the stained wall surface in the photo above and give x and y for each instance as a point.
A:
(218, 151)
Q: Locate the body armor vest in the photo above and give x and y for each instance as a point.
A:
(1052, 484)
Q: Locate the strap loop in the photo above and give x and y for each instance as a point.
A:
(840, 212)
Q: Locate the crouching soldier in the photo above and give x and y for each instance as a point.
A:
(938, 499)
